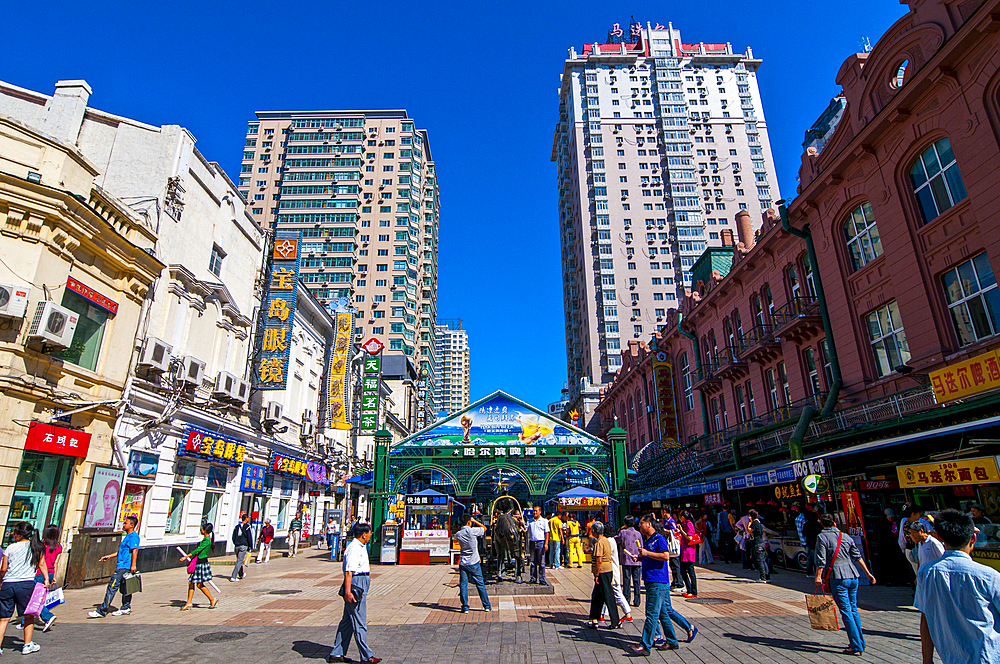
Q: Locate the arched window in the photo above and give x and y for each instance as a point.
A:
(768, 302)
(631, 412)
(758, 313)
(793, 281)
(936, 180)
(861, 233)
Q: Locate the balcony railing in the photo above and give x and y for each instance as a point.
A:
(794, 309)
(893, 406)
(758, 334)
(726, 357)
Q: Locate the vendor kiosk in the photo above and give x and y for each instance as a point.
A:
(426, 528)
(588, 505)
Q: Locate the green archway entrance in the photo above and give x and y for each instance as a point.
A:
(501, 439)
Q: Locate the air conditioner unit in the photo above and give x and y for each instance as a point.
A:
(241, 391)
(53, 326)
(13, 301)
(308, 430)
(225, 383)
(155, 355)
(308, 416)
(190, 371)
(272, 412)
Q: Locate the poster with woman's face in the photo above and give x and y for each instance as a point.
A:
(105, 496)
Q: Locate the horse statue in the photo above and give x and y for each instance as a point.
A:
(507, 538)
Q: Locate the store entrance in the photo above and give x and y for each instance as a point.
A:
(40, 492)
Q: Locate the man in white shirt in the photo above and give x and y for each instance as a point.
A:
(538, 545)
(929, 548)
(355, 593)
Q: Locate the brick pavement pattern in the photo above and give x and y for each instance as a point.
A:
(288, 611)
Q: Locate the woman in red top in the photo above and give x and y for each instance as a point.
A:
(266, 535)
(689, 547)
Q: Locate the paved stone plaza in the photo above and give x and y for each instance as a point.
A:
(288, 610)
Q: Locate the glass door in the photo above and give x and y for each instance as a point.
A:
(40, 491)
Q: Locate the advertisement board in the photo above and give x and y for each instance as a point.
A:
(104, 499)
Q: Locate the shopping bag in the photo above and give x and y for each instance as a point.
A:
(132, 583)
(54, 598)
(822, 612)
(37, 601)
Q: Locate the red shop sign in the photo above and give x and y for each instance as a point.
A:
(713, 499)
(92, 295)
(57, 440)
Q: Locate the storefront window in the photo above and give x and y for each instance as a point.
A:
(218, 476)
(286, 487)
(86, 345)
(282, 513)
(184, 471)
(175, 512)
(133, 502)
(211, 507)
(142, 464)
(40, 491)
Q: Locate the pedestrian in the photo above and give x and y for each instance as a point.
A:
(128, 552)
(978, 515)
(811, 531)
(469, 562)
(800, 523)
(726, 533)
(629, 540)
(703, 526)
(355, 593)
(958, 598)
(538, 545)
(333, 537)
(913, 513)
(46, 574)
(202, 573)
(928, 547)
(616, 583)
(573, 541)
(294, 533)
(755, 542)
(654, 554)
(687, 532)
(18, 568)
(264, 542)
(242, 542)
(555, 541)
(602, 569)
(836, 557)
(674, 541)
(742, 530)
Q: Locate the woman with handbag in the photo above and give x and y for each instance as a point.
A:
(199, 570)
(690, 540)
(836, 556)
(46, 574)
(20, 563)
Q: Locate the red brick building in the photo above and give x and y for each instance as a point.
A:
(827, 353)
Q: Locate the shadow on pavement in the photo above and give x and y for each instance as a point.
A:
(783, 644)
(311, 650)
(436, 607)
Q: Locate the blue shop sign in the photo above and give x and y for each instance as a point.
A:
(252, 480)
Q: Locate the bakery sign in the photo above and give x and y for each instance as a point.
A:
(981, 470)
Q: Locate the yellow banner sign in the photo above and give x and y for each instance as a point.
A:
(982, 470)
(962, 379)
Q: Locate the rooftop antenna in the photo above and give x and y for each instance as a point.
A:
(866, 45)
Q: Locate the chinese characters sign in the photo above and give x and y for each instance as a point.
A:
(370, 380)
(89, 293)
(663, 376)
(290, 466)
(277, 314)
(427, 500)
(338, 370)
(961, 471)
(788, 491)
(252, 479)
(214, 447)
(962, 379)
(56, 440)
(583, 501)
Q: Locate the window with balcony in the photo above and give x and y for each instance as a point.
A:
(772, 389)
(863, 242)
(887, 338)
(686, 377)
(809, 365)
(741, 403)
(783, 377)
(973, 299)
(824, 348)
(937, 182)
(792, 277)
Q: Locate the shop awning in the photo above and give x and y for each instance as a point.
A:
(425, 492)
(666, 493)
(363, 480)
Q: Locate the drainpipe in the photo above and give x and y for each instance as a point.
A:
(697, 365)
(795, 442)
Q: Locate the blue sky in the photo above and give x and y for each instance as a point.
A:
(481, 79)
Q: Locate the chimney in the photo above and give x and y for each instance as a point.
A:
(727, 237)
(744, 228)
(64, 111)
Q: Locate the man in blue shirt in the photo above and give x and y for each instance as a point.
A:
(959, 599)
(128, 551)
(726, 535)
(654, 554)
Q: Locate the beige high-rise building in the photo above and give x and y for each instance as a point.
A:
(453, 366)
(659, 145)
(362, 187)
